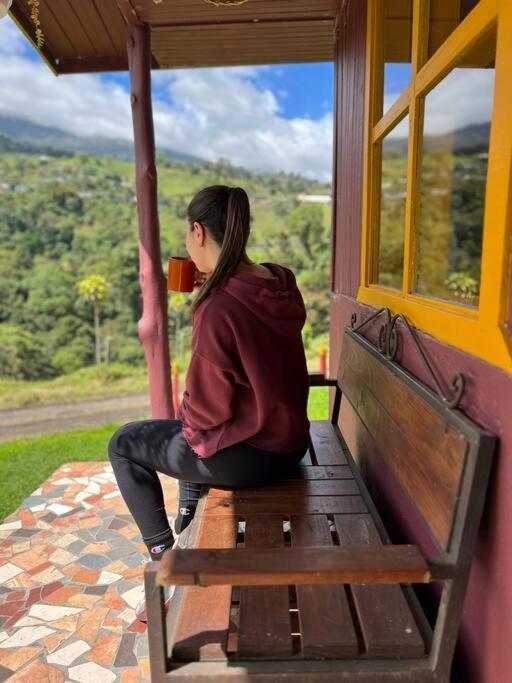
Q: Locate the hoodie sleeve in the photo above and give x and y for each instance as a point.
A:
(208, 398)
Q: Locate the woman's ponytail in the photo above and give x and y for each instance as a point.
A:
(225, 211)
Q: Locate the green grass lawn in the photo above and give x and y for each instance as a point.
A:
(26, 463)
(85, 384)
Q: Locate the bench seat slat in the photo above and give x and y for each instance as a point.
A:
(289, 505)
(326, 445)
(326, 625)
(264, 626)
(278, 566)
(387, 623)
(335, 487)
(202, 628)
(319, 472)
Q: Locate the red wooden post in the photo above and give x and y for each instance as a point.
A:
(152, 326)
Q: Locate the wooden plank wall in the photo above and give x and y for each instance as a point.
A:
(348, 148)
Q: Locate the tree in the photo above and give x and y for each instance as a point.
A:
(94, 289)
(306, 222)
(76, 217)
(20, 354)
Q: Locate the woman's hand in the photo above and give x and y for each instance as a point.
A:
(199, 278)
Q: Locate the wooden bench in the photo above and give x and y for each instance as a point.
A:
(299, 580)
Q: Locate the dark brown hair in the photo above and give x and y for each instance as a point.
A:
(225, 213)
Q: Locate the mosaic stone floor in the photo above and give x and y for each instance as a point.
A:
(71, 568)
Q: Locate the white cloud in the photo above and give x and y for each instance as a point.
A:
(464, 97)
(209, 113)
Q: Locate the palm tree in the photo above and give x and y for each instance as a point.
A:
(94, 289)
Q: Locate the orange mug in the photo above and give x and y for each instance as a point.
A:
(181, 274)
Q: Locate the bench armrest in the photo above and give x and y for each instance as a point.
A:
(285, 566)
(318, 379)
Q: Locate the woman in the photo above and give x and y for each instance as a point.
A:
(243, 417)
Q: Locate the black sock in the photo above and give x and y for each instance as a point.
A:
(184, 517)
(159, 543)
(189, 494)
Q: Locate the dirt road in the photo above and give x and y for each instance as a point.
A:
(21, 422)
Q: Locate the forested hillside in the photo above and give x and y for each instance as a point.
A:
(65, 216)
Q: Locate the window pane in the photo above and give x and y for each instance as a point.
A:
(396, 38)
(393, 192)
(396, 35)
(453, 178)
(396, 78)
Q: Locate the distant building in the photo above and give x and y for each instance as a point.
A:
(314, 198)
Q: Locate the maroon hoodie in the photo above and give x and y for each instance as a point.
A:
(248, 379)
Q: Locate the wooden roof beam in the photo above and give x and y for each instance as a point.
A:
(242, 22)
(130, 15)
(97, 65)
(28, 29)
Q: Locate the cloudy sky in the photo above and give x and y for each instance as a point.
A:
(464, 97)
(265, 118)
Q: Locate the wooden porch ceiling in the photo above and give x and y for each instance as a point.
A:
(89, 35)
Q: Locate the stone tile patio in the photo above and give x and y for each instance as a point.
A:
(71, 567)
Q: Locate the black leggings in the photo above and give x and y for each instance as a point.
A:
(140, 449)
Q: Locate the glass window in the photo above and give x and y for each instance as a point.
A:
(456, 128)
(397, 40)
(393, 193)
(425, 249)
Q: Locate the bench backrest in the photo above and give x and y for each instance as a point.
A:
(441, 458)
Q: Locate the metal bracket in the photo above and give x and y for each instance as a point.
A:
(388, 346)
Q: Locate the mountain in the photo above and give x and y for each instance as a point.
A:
(13, 147)
(45, 137)
(466, 140)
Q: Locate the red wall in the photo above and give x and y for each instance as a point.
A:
(484, 652)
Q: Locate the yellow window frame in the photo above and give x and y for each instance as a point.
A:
(481, 332)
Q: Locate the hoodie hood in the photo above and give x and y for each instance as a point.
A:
(276, 301)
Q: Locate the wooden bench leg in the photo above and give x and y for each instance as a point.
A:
(157, 631)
